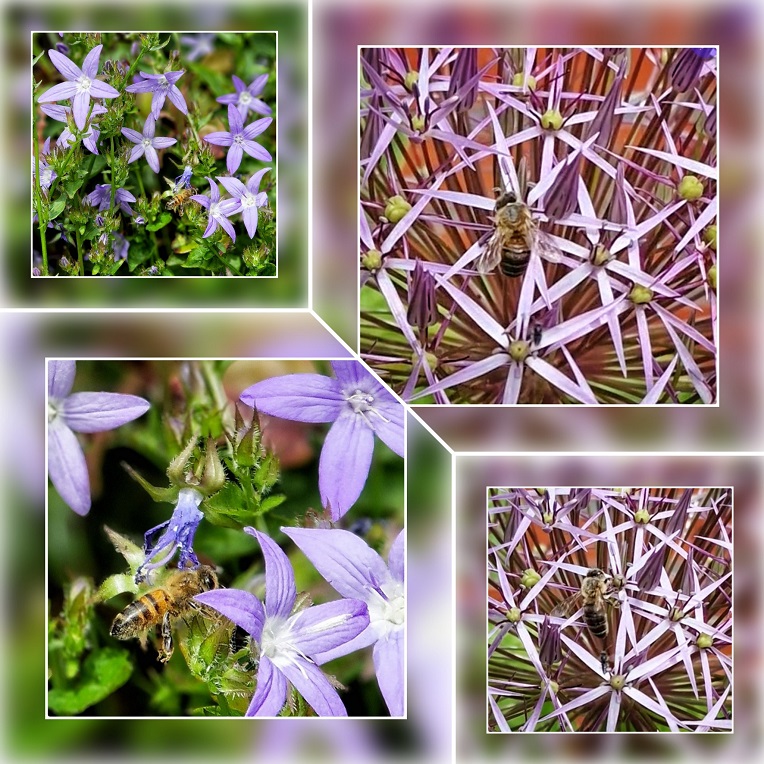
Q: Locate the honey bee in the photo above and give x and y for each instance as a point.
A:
(161, 606)
(179, 199)
(515, 237)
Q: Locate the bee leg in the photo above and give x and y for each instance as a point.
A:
(165, 653)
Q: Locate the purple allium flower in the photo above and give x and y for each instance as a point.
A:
(162, 86)
(289, 640)
(199, 44)
(245, 97)
(146, 143)
(178, 534)
(79, 412)
(101, 198)
(248, 197)
(356, 571)
(359, 407)
(239, 138)
(218, 211)
(47, 173)
(81, 84)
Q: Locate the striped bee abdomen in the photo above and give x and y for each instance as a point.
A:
(596, 621)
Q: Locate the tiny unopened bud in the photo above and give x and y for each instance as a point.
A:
(519, 350)
(642, 516)
(530, 578)
(396, 208)
(372, 260)
(548, 518)
(705, 641)
(552, 686)
(514, 615)
(712, 276)
(524, 80)
(618, 681)
(551, 120)
(601, 255)
(410, 80)
(676, 614)
(423, 307)
(709, 236)
(640, 295)
(213, 477)
(690, 188)
(418, 123)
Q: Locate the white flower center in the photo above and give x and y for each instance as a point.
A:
(215, 210)
(238, 139)
(362, 404)
(164, 82)
(146, 142)
(248, 201)
(53, 409)
(245, 97)
(83, 84)
(387, 613)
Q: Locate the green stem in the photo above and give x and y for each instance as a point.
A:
(226, 263)
(43, 223)
(113, 188)
(80, 258)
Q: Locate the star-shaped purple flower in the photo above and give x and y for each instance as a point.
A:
(101, 198)
(162, 86)
(356, 571)
(239, 138)
(79, 412)
(146, 143)
(218, 211)
(360, 408)
(245, 97)
(81, 84)
(288, 641)
(91, 135)
(47, 173)
(248, 197)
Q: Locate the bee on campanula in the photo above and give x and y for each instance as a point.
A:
(516, 236)
(180, 191)
(160, 607)
(178, 200)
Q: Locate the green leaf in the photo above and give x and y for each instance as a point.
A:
(163, 220)
(103, 672)
(198, 257)
(271, 502)
(57, 207)
(73, 185)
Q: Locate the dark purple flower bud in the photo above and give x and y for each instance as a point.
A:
(677, 520)
(562, 197)
(36, 271)
(603, 119)
(650, 574)
(422, 311)
(99, 220)
(62, 47)
(617, 209)
(549, 642)
(686, 67)
(464, 80)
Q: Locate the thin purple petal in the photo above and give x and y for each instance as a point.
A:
(271, 692)
(233, 160)
(58, 92)
(65, 65)
(60, 378)
(80, 109)
(300, 397)
(219, 138)
(280, 590)
(250, 217)
(313, 685)
(328, 626)
(388, 664)
(163, 143)
(257, 85)
(136, 153)
(345, 560)
(100, 89)
(257, 151)
(390, 432)
(233, 185)
(257, 127)
(396, 557)
(238, 83)
(67, 468)
(152, 158)
(132, 135)
(90, 64)
(142, 86)
(239, 606)
(225, 224)
(253, 184)
(231, 98)
(202, 199)
(176, 97)
(344, 464)
(149, 126)
(97, 412)
(235, 124)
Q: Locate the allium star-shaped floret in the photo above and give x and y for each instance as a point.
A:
(359, 406)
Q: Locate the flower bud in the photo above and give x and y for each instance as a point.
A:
(519, 350)
(640, 295)
(690, 188)
(418, 123)
(411, 79)
(642, 516)
(213, 476)
(514, 615)
(530, 578)
(551, 120)
(711, 277)
(524, 80)
(709, 236)
(396, 208)
(372, 260)
(705, 641)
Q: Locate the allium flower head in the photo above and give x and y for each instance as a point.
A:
(358, 572)
(245, 97)
(289, 641)
(162, 86)
(81, 84)
(359, 408)
(239, 139)
(146, 143)
(79, 412)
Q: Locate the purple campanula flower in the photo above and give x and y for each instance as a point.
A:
(356, 571)
(179, 532)
(218, 211)
(239, 138)
(245, 97)
(119, 247)
(62, 113)
(101, 198)
(79, 412)
(162, 86)
(184, 179)
(289, 640)
(200, 45)
(47, 173)
(248, 197)
(146, 143)
(81, 84)
(359, 406)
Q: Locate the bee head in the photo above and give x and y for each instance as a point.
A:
(594, 573)
(508, 197)
(208, 579)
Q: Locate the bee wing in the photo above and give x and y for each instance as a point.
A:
(546, 247)
(490, 257)
(565, 608)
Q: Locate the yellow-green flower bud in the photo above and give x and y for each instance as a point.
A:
(553, 686)
(396, 208)
(617, 682)
(642, 516)
(520, 79)
(640, 295)
(530, 578)
(709, 236)
(417, 122)
(514, 615)
(519, 350)
(712, 276)
(690, 188)
(429, 358)
(372, 260)
(411, 79)
(548, 518)
(551, 120)
(601, 255)
(705, 641)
